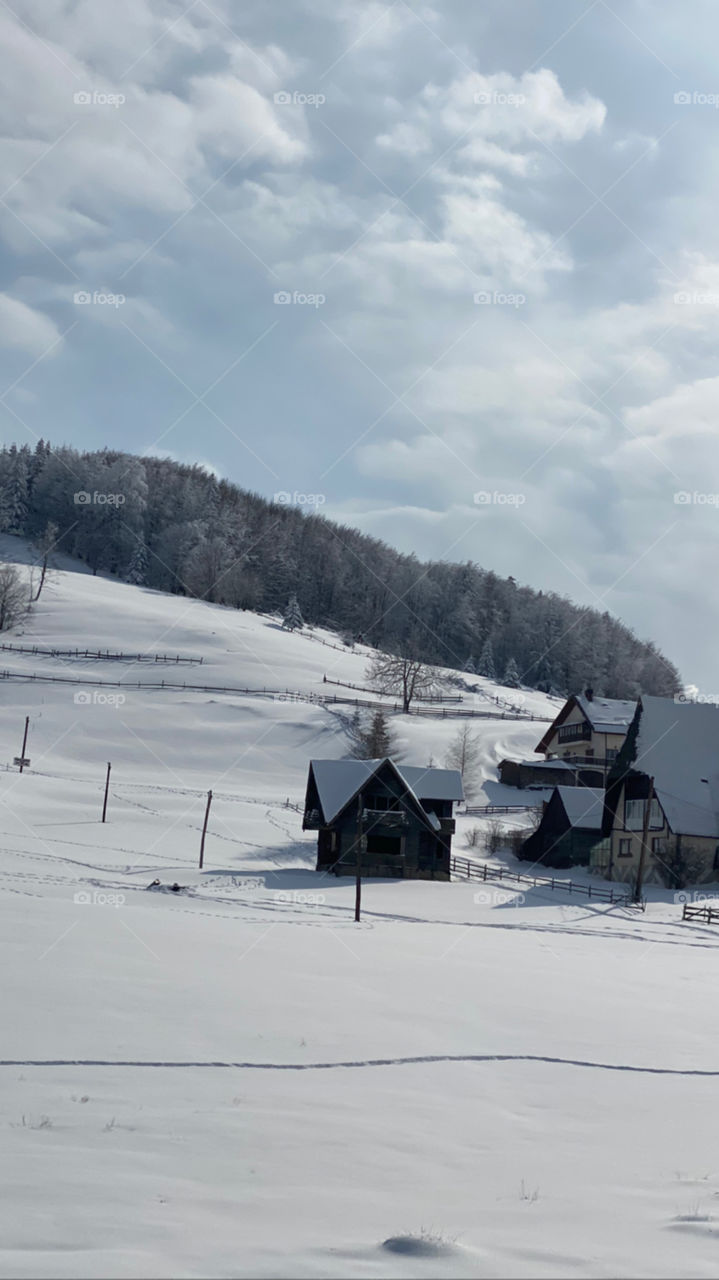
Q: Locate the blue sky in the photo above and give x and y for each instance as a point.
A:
(496, 226)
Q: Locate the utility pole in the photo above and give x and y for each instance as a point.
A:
(358, 884)
(204, 829)
(643, 851)
(24, 742)
(107, 788)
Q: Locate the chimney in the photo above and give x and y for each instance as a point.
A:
(589, 695)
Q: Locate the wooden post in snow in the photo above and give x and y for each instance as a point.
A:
(358, 882)
(107, 788)
(643, 851)
(24, 742)
(204, 829)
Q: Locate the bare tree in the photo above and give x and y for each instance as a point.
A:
(464, 753)
(14, 596)
(406, 678)
(44, 546)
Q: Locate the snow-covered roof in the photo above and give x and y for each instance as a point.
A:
(583, 806)
(607, 715)
(678, 746)
(339, 780)
(547, 764)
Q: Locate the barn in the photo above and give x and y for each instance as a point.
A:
(399, 817)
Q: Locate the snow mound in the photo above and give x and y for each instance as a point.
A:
(421, 1246)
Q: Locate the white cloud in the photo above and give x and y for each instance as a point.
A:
(25, 328)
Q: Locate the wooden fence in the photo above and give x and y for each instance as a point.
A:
(484, 810)
(468, 870)
(101, 655)
(280, 695)
(705, 912)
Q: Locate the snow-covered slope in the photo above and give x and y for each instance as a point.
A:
(237, 1080)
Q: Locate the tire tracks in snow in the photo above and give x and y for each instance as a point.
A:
(368, 1062)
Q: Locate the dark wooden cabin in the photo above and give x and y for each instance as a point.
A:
(570, 828)
(405, 813)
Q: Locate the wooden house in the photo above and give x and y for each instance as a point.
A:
(400, 817)
(588, 732)
(672, 754)
(570, 828)
(579, 747)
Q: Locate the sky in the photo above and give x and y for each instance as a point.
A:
(447, 273)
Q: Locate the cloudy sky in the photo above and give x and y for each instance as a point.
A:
(452, 269)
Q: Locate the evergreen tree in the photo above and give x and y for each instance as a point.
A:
(511, 675)
(486, 661)
(372, 739)
(293, 619)
(137, 572)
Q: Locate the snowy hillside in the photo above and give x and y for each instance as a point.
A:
(237, 1080)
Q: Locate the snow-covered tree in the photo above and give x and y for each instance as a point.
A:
(511, 675)
(293, 619)
(373, 738)
(137, 572)
(407, 678)
(486, 661)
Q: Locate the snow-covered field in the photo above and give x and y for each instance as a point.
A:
(237, 1080)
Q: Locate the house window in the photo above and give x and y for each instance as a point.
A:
(611, 753)
(381, 803)
(384, 844)
(625, 848)
(590, 751)
(634, 815)
(659, 844)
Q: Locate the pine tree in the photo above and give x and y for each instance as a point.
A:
(511, 675)
(470, 667)
(374, 740)
(137, 572)
(293, 615)
(486, 661)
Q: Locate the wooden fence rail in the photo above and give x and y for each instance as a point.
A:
(483, 871)
(281, 695)
(104, 655)
(705, 912)
(485, 809)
